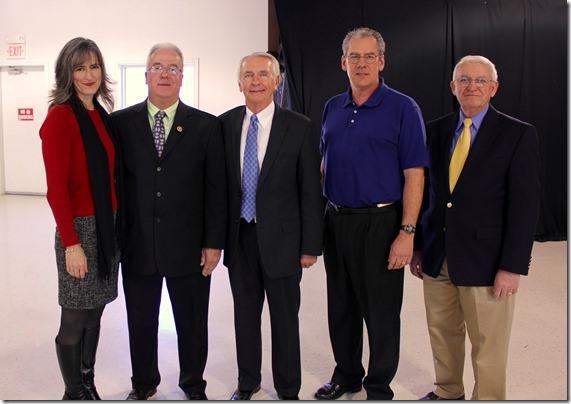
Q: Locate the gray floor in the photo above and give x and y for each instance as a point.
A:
(30, 315)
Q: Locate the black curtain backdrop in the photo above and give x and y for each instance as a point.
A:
(526, 40)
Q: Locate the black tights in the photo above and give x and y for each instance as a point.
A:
(74, 321)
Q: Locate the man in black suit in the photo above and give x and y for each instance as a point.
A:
(477, 233)
(174, 221)
(275, 223)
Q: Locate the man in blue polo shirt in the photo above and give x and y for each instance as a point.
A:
(374, 154)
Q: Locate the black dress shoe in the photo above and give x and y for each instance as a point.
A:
(196, 395)
(332, 391)
(287, 398)
(433, 396)
(240, 395)
(137, 394)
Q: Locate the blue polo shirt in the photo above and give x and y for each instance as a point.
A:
(366, 148)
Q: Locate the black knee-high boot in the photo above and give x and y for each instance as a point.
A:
(69, 358)
(90, 342)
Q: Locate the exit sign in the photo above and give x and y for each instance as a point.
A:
(17, 51)
(25, 114)
(15, 47)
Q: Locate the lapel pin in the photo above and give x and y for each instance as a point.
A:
(179, 129)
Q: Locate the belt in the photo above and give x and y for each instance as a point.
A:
(369, 209)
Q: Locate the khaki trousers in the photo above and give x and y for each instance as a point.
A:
(450, 310)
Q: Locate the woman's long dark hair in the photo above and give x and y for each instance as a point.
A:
(73, 54)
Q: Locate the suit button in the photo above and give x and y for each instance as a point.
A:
(159, 169)
(444, 229)
(158, 219)
(159, 194)
(449, 205)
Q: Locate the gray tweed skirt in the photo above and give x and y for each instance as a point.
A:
(92, 291)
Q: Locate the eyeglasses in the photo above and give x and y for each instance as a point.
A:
(354, 58)
(479, 82)
(174, 70)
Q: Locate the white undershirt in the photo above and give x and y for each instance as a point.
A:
(265, 117)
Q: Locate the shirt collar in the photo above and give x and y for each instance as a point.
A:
(476, 119)
(169, 112)
(373, 101)
(264, 116)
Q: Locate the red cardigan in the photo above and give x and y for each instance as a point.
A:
(69, 189)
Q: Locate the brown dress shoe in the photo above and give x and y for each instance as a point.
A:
(433, 396)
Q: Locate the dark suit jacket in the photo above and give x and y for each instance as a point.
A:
(176, 204)
(289, 205)
(488, 222)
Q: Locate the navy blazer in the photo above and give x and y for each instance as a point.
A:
(289, 203)
(488, 222)
(174, 205)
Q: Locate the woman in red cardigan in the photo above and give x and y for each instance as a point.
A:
(80, 159)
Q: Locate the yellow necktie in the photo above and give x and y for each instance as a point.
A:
(460, 153)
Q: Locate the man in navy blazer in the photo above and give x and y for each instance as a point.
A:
(477, 232)
(174, 222)
(275, 223)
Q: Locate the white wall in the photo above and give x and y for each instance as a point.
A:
(217, 32)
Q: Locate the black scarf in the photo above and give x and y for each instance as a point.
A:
(99, 179)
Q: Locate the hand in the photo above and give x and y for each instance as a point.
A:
(505, 284)
(401, 250)
(209, 259)
(76, 261)
(416, 264)
(307, 260)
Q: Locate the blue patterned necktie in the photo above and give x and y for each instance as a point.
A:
(250, 171)
(159, 132)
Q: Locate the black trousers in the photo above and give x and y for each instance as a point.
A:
(361, 287)
(249, 282)
(189, 296)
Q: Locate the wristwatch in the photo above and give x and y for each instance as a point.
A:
(408, 228)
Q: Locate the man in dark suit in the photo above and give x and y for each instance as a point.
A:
(174, 221)
(275, 223)
(477, 232)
